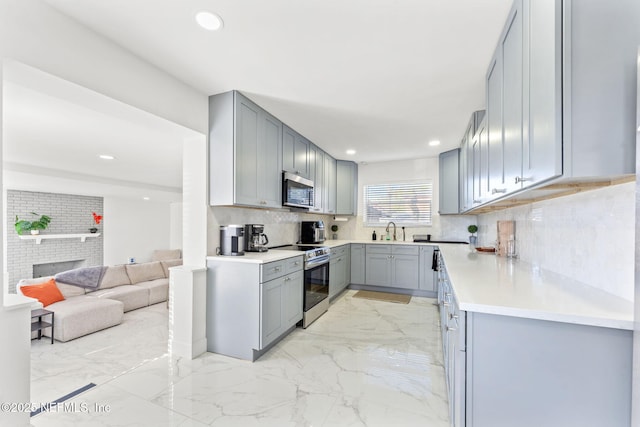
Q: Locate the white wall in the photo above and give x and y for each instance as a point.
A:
(175, 225)
(587, 236)
(134, 229)
(36, 34)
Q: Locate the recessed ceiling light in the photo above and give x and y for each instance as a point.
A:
(106, 157)
(146, 198)
(209, 21)
(351, 152)
(434, 143)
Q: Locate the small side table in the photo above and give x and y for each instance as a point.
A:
(40, 324)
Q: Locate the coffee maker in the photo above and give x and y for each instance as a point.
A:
(232, 240)
(255, 239)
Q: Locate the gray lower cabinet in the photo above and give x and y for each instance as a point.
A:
(392, 265)
(250, 306)
(245, 153)
(346, 187)
(358, 263)
(339, 270)
(281, 304)
(511, 371)
(428, 276)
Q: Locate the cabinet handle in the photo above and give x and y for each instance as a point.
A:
(453, 316)
(276, 269)
(296, 263)
(287, 279)
(520, 179)
(450, 329)
(476, 202)
(498, 190)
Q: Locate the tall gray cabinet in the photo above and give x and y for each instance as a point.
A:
(245, 153)
(449, 188)
(346, 187)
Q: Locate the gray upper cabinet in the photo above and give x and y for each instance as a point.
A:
(546, 124)
(449, 186)
(245, 153)
(346, 187)
(329, 195)
(316, 155)
(295, 153)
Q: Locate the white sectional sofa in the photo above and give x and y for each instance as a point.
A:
(123, 288)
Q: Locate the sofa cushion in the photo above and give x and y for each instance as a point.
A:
(166, 265)
(166, 254)
(116, 275)
(83, 315)
(158, 290)
(145, 271)
(131, 296)
(47, 293)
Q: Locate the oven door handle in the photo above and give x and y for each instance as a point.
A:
(316, 262)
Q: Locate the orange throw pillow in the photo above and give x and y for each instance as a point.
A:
(47, 293)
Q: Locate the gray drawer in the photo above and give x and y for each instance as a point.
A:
(405, 250)
(272, 270)
(339, 251)
(293, 264)
(378, 249)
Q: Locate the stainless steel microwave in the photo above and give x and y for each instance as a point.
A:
(296, 191)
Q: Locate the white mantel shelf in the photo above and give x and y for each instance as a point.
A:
(39, 237)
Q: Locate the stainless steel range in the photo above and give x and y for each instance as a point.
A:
(316, 280)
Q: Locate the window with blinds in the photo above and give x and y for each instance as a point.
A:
(403, 203)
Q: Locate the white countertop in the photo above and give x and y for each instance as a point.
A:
(257, 257)
(486, 283)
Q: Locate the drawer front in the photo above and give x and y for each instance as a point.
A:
(405, 250)
(272, 270)
(378, 249)
(338, 251)
(292, 265)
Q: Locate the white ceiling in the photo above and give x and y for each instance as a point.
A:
(382, 77)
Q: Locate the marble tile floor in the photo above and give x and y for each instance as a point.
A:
(364, 363)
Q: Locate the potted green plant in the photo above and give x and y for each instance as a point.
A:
(472, 229)
(22, 225)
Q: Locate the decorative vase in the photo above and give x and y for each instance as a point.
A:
(93, 230)
(473, 240)
(35, 232)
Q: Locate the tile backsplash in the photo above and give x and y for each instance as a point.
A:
(587, 236)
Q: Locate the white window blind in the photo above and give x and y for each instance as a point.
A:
(403, 203)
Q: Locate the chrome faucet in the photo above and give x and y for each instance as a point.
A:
(394, 229)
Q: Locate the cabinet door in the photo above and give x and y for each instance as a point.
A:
(512, 89)
(318, 180)
(330, 184)
(292, 294)
(295, 153)
(346, 187)
(342, 265)
(427, 274)
(449, 166)
(405, 271)
(246, 156)
(494, 127)
(542, 154)
(271, 298)
(270, 161)
(463, 175)
(378, 269)
(357, 264)
(333, 278)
